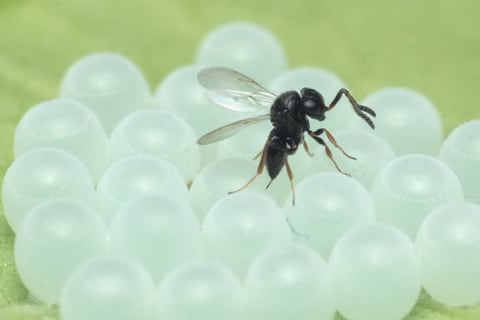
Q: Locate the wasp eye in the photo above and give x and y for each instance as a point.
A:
(309, 104)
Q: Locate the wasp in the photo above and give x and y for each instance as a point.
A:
(289, 113)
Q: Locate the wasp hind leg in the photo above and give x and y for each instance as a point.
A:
(258, 154)
(260, 167)
(290, 178)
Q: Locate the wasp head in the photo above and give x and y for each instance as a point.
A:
(313, 104)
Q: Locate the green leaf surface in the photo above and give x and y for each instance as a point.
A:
(431, 45)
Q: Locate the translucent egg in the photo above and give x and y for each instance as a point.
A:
(376, 272)
(290, 282)
(202, 291)
(461, 151)
(181, 93)
(157, 231)
(43, 174)
(327, 84)
(409, 187)
(407, 120)
(239, 227)
(108, 287)
(54, 238)
(371, 153)
(109, 84)
(245, 47)
(326, 206)
(134, 176)
(448, 242)
(68, 125)
(216, 180)
(159, 133)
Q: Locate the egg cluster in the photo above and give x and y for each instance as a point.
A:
(119, 214)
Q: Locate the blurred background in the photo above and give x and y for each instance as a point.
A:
(432, 46)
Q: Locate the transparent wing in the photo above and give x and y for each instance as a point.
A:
(230, 129)
(234, 90)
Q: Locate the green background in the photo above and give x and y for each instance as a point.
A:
(430, 45)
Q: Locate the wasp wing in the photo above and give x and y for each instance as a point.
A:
(230, 129)
(234, 90)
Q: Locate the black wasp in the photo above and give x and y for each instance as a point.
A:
(289, 113)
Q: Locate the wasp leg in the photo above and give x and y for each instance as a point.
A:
(260, 167)
(332, 141)
(307, 150)
(258, 155)
(359, 109)
(290, 177)
(327, 151)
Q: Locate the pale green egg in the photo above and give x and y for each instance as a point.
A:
(201, 290)
(243, 46)
(461, 151)
(158, 133)
(109, 84)
(137, 175)
(240, 226)
(158, 231)
(65, 124)
(290, 281)
(448, 243)
(409, 187)
(326, 206)
(55, 237)
(43, 174)
(108, 287)
(376, 272)
(407, 120)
